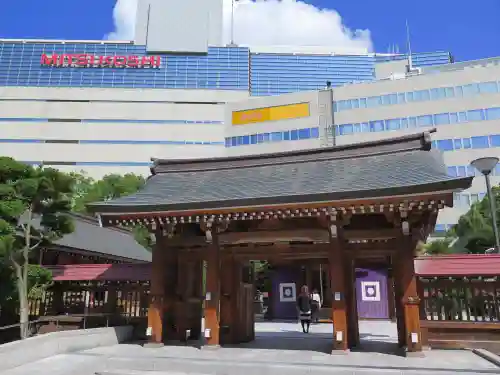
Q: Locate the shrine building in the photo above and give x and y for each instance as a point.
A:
(336, 209)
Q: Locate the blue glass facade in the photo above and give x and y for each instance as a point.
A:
(273, 74)
(224, 68)
(420, 59)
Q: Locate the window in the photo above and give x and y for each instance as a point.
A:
(346, 129)
(286, 135)
(276, 136)
(401, 98)
(246, 140)
(394, 124)
(466, 143)
(227, 142)
(437, 94)
(479, 142)
(362, 103)
(461, 171)
(373, 101)
(422, 95)
(453, 118)
(445, 145)
(305, 133)
(376, 126)
(475, 115)
(355, 103)
(452, 171)
(442, 119)
(472, 89)
(492, 114)
(450, 92)
(294, 135)
(314, 132)
(495, 140)
(266, 137)
(462, 116)
(253, 139)
(488, 87)
(412, 122)
(471, 171)
(457, 144)
(424, 120)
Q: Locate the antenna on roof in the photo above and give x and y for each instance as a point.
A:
(410, 60)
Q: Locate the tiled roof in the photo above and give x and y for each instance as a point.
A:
(429, 266)
(458, 265)
(90, 236)
(394, 166)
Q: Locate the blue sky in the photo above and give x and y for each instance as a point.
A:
(470, 30)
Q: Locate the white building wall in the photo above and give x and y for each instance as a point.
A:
(320, 115)
(461, 157)
(94, 130)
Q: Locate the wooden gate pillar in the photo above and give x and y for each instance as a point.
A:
(409, 292)
(398, 300)
(351, 303)
(337, 279)
(212, 297)
(229, 301)
(162, 293)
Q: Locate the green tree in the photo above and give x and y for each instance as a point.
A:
(32, 206)
(110, 187)
(474, 229)
(437, 247)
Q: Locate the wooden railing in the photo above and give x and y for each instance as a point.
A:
(460, 313)
(461, 299)
(127, 299)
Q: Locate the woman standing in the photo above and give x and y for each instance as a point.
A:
(315, 305)
(304, 308)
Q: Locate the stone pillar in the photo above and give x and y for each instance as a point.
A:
(339, 303)
(410, 299)
(212, 297)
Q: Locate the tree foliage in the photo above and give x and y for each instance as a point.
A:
(474, 229)
(32, 206)
(110, 187)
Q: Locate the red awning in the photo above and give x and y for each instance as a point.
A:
(458, 265)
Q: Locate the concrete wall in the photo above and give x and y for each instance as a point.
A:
(189, 124)
(17, 353)
(461, 130)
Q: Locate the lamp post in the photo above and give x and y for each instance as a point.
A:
(485, 166)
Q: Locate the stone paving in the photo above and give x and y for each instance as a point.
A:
(280, 348)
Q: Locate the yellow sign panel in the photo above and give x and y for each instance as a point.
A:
(282, 112)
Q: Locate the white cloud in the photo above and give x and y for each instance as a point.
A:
(268, 23)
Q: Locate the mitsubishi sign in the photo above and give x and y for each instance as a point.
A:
(81, 60)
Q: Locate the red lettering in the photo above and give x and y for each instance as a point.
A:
(153, 61)
(66, 60)
(133, 61)
(119, 61)
(49, 59)
(82, 60)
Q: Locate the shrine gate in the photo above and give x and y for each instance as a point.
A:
(338, 206)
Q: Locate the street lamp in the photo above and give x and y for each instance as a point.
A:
(485, 166)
